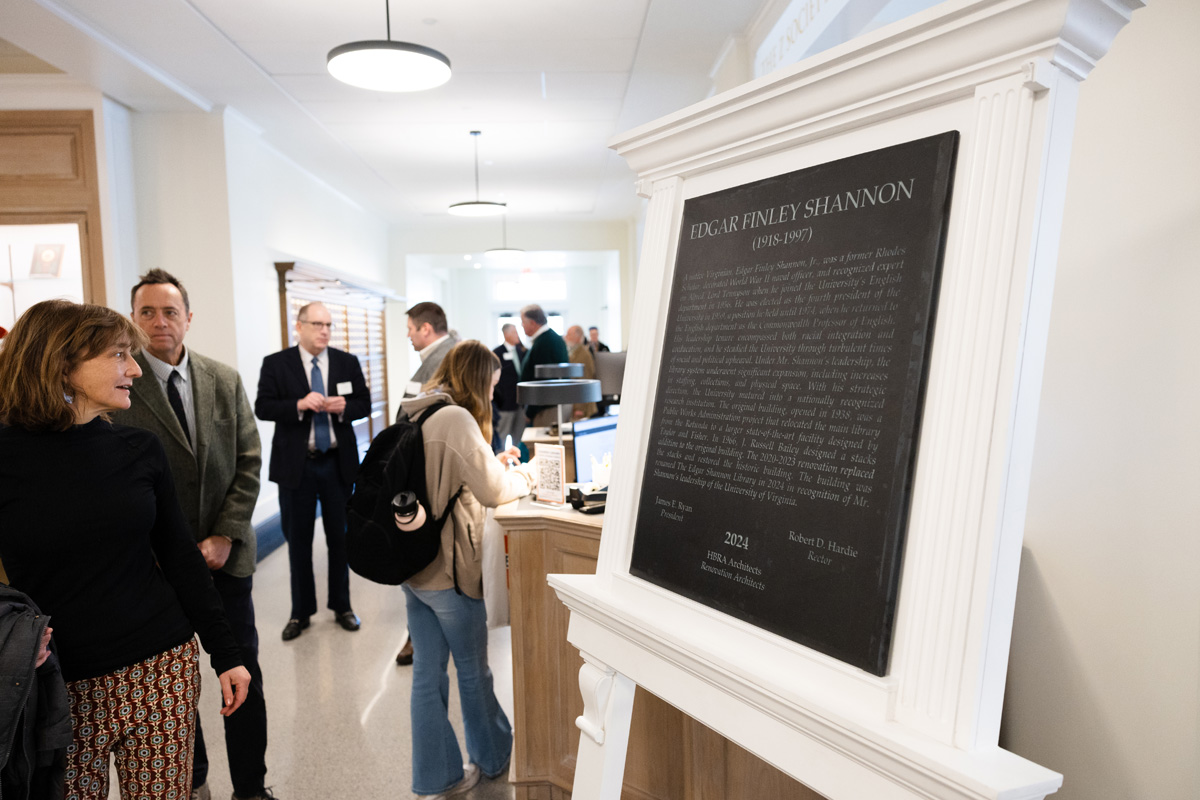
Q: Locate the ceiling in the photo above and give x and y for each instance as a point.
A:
(548, 84)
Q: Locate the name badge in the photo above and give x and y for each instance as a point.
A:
(345, 387)
(510, 356)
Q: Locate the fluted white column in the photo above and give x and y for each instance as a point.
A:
(971, 486)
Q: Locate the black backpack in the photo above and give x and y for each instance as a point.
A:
(375, 548)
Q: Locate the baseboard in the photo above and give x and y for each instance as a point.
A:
(269, 533)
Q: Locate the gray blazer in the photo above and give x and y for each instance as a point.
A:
(432, 361)
(429, 366)
(217, 487)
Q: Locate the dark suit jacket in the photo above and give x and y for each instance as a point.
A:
(549, 348)
(281, 384)
(505, 395)
(218, 486)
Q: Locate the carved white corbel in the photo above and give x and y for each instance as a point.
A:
(595, 685)
(604, 731)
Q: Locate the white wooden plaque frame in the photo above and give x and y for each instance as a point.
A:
(1005, 74)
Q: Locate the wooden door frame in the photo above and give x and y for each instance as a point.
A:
(43, 195)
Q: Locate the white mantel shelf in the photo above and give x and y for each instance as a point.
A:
(830, 746)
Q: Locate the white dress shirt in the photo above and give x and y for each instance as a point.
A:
(322, 359)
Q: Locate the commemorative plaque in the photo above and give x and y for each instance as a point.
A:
(779, 465)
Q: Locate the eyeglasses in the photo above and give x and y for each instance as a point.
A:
(318, 325)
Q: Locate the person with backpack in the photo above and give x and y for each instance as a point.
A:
(446, 613)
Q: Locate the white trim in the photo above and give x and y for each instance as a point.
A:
(112, 45)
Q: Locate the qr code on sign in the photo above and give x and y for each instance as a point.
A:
(548, 478)
(550, 472)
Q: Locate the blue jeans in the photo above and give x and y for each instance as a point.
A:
(444, 623)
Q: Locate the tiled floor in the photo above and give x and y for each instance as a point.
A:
(337, 703)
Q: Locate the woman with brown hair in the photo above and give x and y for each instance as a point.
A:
(91, 530)
(446, 613)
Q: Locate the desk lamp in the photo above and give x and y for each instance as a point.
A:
(557, 391)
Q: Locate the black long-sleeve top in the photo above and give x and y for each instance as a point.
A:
(91, 530)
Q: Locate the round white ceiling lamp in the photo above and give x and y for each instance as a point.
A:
(477, 207)
(388, 66)
(505, 255)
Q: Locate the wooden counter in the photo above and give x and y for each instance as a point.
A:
(671, 756)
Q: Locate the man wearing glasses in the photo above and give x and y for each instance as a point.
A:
(313, 393)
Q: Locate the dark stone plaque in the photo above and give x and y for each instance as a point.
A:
(781, 449)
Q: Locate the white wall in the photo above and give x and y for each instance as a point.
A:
(1104, 682)
(120, 203)
(279, 212)
(182, 198)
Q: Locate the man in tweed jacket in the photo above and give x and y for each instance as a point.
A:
(214, 451)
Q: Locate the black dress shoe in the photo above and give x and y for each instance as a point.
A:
(405, 656)
(348, 620)
(293, 628)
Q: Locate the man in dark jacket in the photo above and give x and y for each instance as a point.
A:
(198, 408)
(511, 416)
(313, 393)
(545, 347)
(594, 344)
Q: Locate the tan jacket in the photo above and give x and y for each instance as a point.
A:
(580, 354)
(457, 455)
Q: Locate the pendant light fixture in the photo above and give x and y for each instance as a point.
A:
(477, 207)
(504, 254)
(387, 66)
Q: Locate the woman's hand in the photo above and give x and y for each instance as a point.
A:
(44, 650)
(510, 456)
(529, 470)
(235, 683)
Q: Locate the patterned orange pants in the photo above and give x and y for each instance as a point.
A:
(145, 714)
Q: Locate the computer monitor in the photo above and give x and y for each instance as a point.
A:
(594, 437)
(610, 370)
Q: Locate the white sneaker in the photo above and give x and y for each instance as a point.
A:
(469, 779)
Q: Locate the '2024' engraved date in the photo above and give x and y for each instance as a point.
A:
(737, 540)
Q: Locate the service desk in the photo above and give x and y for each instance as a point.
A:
(671, 756)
